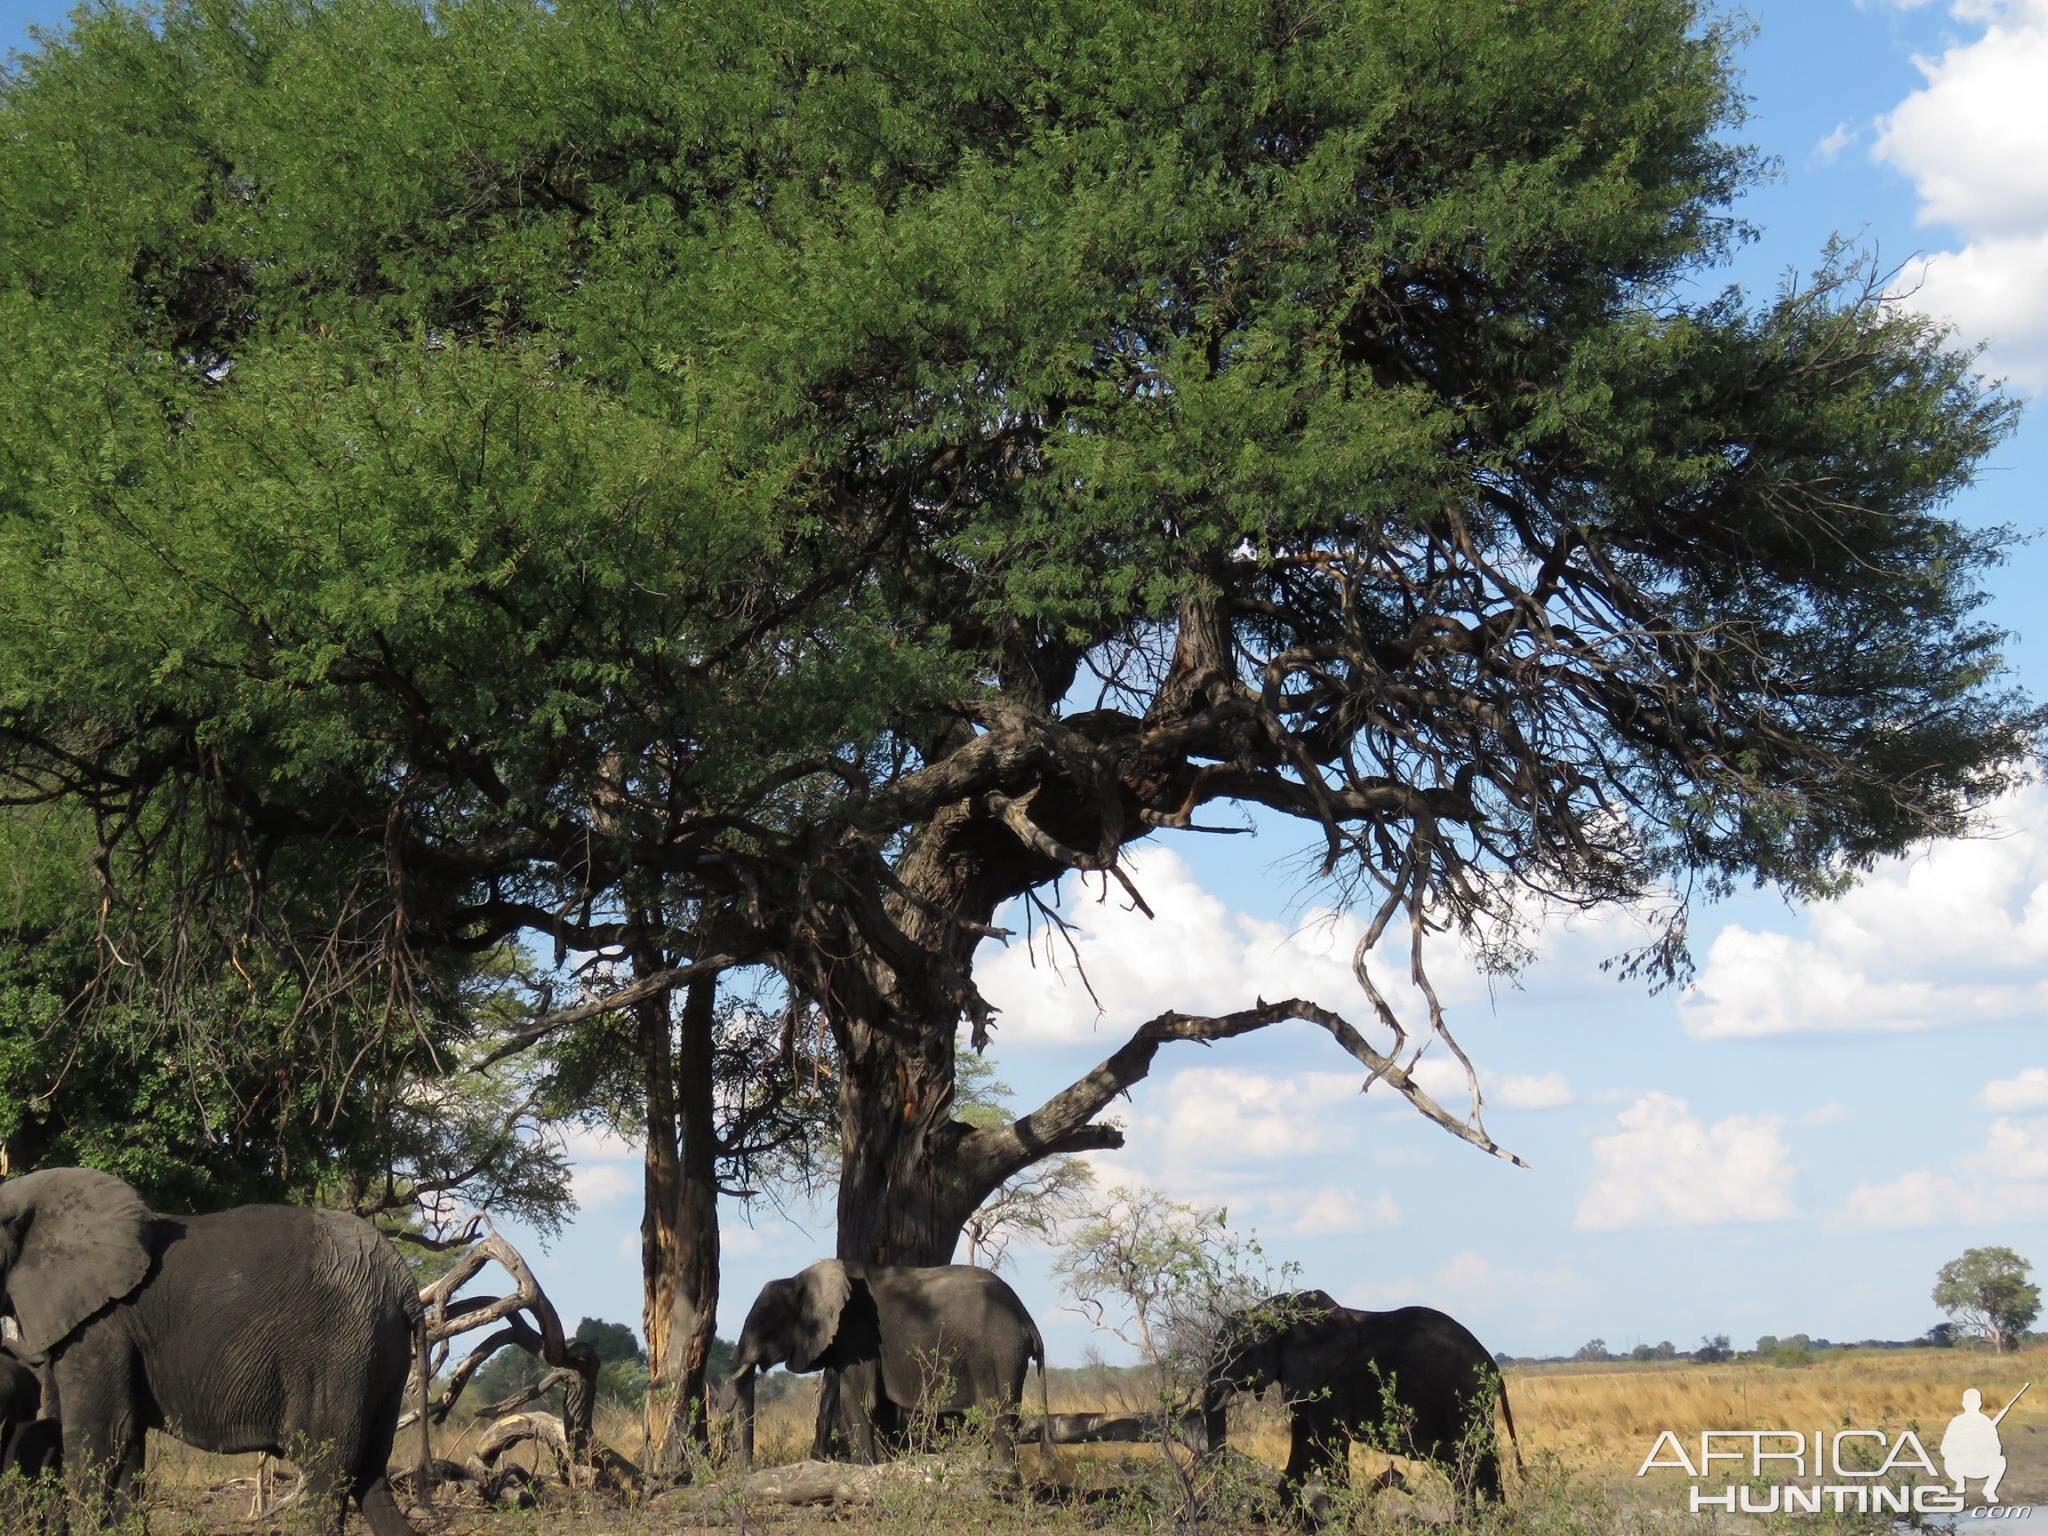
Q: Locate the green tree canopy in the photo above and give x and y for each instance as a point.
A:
(1987, 1292)
(798, 476)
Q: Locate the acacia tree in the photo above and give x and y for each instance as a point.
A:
(821, 471)
(1987, 1292)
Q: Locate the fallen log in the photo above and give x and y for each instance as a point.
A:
(843, 1482)
(1114, 1429)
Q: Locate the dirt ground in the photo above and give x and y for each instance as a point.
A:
(1584, 1431)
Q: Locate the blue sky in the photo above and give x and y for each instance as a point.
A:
(1847, 1097)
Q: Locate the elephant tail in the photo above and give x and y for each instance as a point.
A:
(1044, 1397)
(1514, 1440)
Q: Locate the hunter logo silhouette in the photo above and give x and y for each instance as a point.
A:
(1970, 1447)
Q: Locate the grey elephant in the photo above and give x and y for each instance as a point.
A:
(1412, 1382)
(21, 1393)
(262, 1328)
(29, 1442)
(892, 1342)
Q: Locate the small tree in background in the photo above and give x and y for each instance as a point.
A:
(1149, 1271)
(1714, 1349)
(1987, 1293)
(1592, 1350)
(1165, 1278)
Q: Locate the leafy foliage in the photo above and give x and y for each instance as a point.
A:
(221, 1094)
(1987, 1292)
(800, 475)
(1164, 1277)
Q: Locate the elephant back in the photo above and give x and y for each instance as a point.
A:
(955, 1322)
(362, 1261)
(261, 1314)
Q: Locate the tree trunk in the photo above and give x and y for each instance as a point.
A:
(694, 1311)
(902, 1198)
(662, 1252)
(679, 1227)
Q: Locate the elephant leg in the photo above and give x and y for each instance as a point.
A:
(863, 1404)
(371, 1488)
(1301, 1455)
(325, 1495)
(825, 1435)
(1479, 1475)
(103, 1448)
(1003, 1397)
(867, 1440)
(1318, 1451)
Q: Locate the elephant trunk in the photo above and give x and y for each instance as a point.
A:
(1215, 1394)
(743, 1393)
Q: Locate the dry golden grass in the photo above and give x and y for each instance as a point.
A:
(1598, 1420)
(1604, 1417)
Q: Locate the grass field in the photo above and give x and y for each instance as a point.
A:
(1583, 1428)
(1600, 1419)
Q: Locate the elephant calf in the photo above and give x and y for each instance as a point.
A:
(29, 1445)
(893, 1341)
(1411, 1382)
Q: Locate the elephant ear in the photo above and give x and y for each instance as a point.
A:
(79, 1240)
(821, 1293)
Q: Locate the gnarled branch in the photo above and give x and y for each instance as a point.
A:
(1065, 1122)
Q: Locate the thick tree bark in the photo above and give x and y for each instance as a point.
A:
(1025, 799)
(679, 1224)
(1031, 804)
(661, 1256)
(902, 1198)
(694, 1316)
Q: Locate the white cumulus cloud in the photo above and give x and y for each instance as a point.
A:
(1471, 1282)
(1220, 1115)
(2006, 1180)
(2028, 1090)
(1194, 954)
(602, 1166)
(1664, 1166)
(1955, 932)
(598, 1184)
(1331, 1211)
(1974, 142)
(1547, 1091)
(1923, 1199)
(1830, 148)
(1444, 1080)
(2013, 1149)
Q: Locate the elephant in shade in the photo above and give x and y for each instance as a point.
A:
(29, 1443)
(262, 1328)
(1411, 1382)
(893, 1341)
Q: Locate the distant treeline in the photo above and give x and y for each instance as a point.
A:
(1791, 1349)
